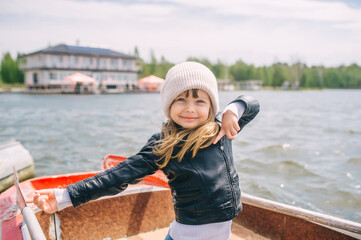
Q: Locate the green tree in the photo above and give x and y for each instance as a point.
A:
(313, 77)
(220, 70)
(355, 75)
(163, 67)
(279, 74)
(265, 75)
(10, 72)
(155, 67)
(148, 68)
(239, 71)
(138, 61)
(332, 78)
(296, 71)
(204, 61)
(153, 62)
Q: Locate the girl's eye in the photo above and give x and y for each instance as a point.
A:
(200, 101)
(181, 100)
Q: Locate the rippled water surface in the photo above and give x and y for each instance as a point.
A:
(303, 149)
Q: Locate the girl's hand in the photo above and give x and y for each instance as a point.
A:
(229, 126)
(45, 200)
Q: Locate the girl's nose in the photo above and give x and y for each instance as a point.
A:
(190, 107)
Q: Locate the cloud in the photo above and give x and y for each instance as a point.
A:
(257, 31)
(80, 10)
(333, 12)
(304, 10)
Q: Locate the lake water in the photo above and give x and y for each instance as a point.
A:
(303, 149)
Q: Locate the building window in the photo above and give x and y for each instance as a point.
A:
(103, 77)
(102, 63)
(53, 76)
(35, 78)
(87, 62)
(41, 60)
(127, 64)
(55, 60)
(114, 63)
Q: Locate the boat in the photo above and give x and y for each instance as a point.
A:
(145, 211)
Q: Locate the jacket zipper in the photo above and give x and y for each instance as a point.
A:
(228, 174)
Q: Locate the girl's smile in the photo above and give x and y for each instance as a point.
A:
(191, 109)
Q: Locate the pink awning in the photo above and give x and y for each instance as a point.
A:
(79, 78)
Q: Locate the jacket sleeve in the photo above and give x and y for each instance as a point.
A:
(251, 109)
(116, 179)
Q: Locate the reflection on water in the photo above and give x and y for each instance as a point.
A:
(303, 149)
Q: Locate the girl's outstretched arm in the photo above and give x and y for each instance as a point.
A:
(116, 179)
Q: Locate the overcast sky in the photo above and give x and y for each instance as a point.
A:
(258, 32)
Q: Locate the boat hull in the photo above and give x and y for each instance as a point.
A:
(148, 206)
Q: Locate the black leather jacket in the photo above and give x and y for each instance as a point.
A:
(205, 188)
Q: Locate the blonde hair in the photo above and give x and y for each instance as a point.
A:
(173, 135)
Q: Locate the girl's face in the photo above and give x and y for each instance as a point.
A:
(191, 108)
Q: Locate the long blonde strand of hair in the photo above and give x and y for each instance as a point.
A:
(188, 139)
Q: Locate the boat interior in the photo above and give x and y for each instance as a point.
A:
(145, 212)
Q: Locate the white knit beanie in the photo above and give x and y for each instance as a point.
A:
(186, 76)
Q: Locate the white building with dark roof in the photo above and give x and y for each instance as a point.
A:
(47, 68)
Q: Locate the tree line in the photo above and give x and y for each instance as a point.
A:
(9, 70)
(275, 75)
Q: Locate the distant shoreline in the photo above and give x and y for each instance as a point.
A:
(21, 88)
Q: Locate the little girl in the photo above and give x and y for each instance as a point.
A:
(192, 150)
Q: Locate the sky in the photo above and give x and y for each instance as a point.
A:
(259, 32)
